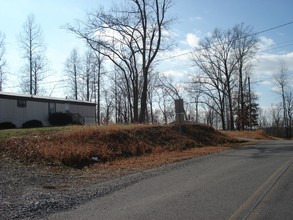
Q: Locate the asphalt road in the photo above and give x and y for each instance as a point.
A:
(254, 182)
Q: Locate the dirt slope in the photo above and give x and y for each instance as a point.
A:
(77, 146)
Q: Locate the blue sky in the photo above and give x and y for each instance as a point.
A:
(196, 18)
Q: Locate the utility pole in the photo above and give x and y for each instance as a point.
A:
(249, 93)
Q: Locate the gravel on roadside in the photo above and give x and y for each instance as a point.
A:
(34, 192)
(31, 191)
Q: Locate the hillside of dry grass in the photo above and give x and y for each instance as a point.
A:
(76, 146)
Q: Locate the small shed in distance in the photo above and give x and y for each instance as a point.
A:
(18, 109)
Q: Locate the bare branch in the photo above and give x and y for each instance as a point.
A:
(131, 37)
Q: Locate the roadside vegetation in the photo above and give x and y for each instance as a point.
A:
(117, 147)
(79, 146)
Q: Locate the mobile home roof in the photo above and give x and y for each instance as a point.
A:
(6, 95)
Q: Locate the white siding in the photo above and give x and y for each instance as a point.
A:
(10, 112)
(38, 109)
(88, 112)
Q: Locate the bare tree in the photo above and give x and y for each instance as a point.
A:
(263, 120)
(166, 105)
(33, 48)
(210, 115)
(91, 72)
(124, 90)
(73, 69)
(275, 111)
(217, 61)
(289, 108)
(223, 58)
(131, 37)
(245, 49)
(282, 80)
(108, 107)
(97, 68)
(153, 86)
(195, 90)
(248, 119)
(87, 76)
(213, 94)
(171, 89)
(2, 60)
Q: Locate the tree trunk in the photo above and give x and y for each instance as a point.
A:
(99, 95)
(143, 104)
(75, 82)
(242, 113)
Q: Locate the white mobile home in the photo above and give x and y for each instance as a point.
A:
(19, 109)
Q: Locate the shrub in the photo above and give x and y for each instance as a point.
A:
(32, 124)
(60, 119)
(7, 125)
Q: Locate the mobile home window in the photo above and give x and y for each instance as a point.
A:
(52, 108)
(21, 103)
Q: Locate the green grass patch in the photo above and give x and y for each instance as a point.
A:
(26, 132)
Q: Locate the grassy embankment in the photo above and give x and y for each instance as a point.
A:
(140, 145)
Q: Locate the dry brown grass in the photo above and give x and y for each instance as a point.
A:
(257, 134)
(146, 162)
(75, 146)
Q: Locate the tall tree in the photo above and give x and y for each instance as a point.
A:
(276, 115)
(223, 58)
(33, 52)
(88, 76)
(217, 61)
(108, 107)
(91, 76)
(248, 118)
(131, 37)
(245, 49)
(166, 105)
(263, 119)
(2, 59)
(282, 82)
(97, 67)
(195, 90)
(289, 107)
(73, 69)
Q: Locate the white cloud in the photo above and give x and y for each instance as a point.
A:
(265, 42)
(276, 89)
(268, 64)
(192, 40)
